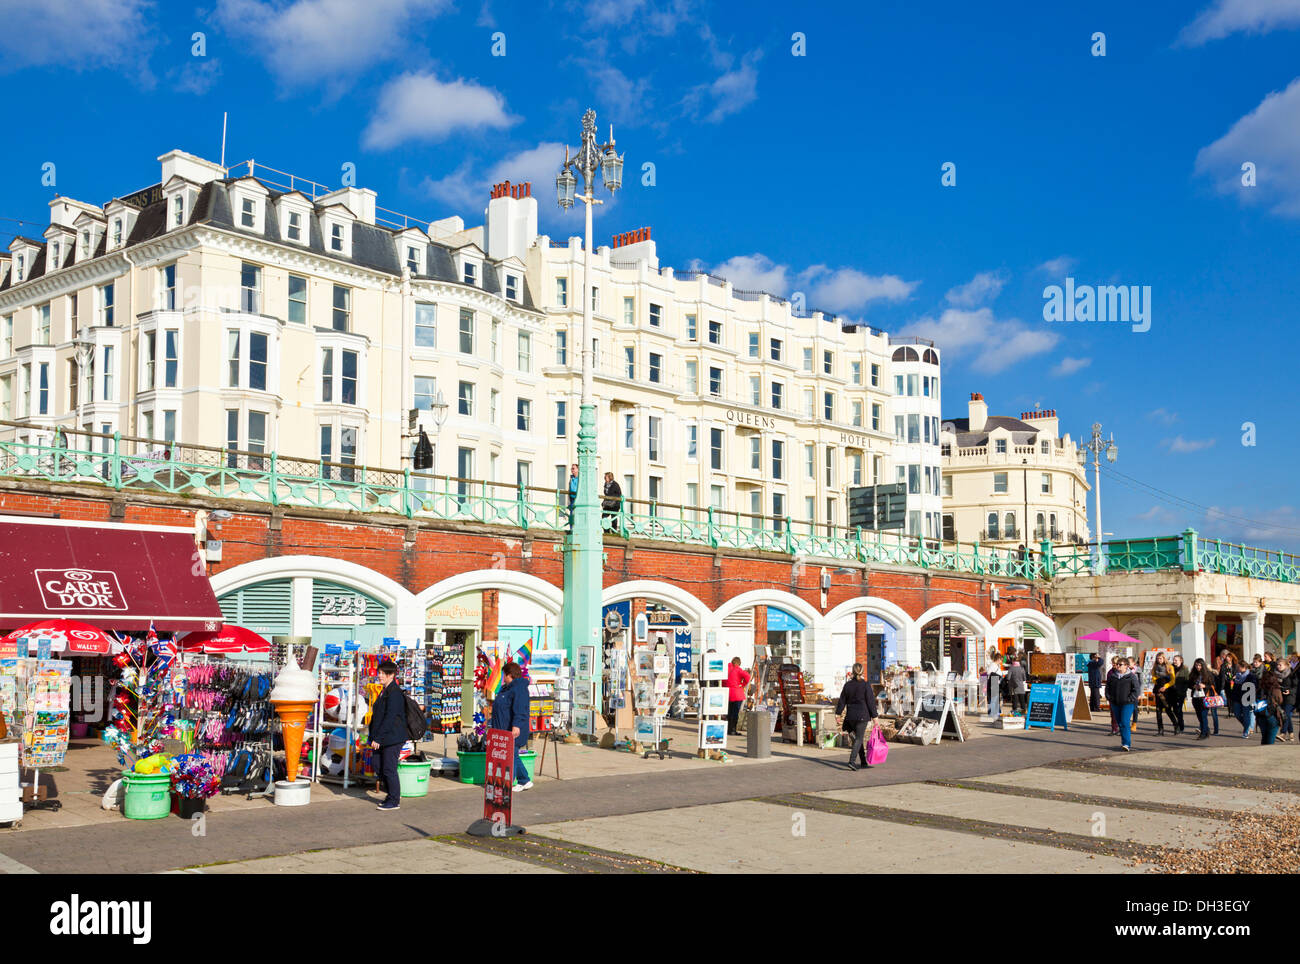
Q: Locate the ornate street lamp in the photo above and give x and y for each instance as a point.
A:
(584, 548)
(1098, 446)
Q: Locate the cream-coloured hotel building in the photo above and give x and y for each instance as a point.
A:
(250, 311)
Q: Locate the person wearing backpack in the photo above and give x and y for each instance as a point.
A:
(388, 732)
(510, 712)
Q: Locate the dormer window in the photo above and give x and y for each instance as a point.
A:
(54, 254)
(117, 232)
(512, 287)
(413, 259)
(294, 230)
(248, 213)
(470, 273)
(336, 237)
(85, 244)
(21, 262)
(337, 228)
(178, 210)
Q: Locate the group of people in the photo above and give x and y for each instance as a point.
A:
(1259, 694)
(611, 502)
(1007, 677)
(388, 727)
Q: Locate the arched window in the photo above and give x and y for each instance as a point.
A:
(993, 525)
(1010, 525)
(931, 356)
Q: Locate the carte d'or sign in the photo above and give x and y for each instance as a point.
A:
(95, 590)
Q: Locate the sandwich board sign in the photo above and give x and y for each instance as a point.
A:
(1045, 707)
(937, 705)
(1076, 707)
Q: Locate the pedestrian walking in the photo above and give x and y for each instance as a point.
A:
(737, 680)
(1227, 672)
(857, 707)
(510, 711)
(1017, 681)
(611, 503)
(1286, 675)
(1162, 681)
(388, 732)
(1128, 690)
(573, 491)
(1178, 692)
(1245, 684)
(1201, 683)
(994, 670)
(1268, 708)
(1095, 667)
(1111, 699)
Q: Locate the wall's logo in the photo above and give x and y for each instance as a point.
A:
(82, 589)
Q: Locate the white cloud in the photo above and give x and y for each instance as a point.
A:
(420, 107)
(982, 288)
(735, 90)
(1182, 446)
(1225, 17)
(848, 289)
(824, 288)
(1157, 513)
(1059, 265)
(1163, 415)
(74, 34)
(993, 344)
(329, 41)
(1269, 138)
(1068, 366)
(755, 272)
(197, 77)
(467, 190)
(1268, 528)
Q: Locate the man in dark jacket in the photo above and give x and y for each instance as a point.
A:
(510, 712)
(857, 704)
(388, 732)
(611, 503)
(1111, 679)
(1128, 688)
(1095, 666)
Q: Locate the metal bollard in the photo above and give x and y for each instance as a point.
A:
(758, 733)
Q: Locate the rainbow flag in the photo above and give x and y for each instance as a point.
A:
(493, 681)
(526, 652)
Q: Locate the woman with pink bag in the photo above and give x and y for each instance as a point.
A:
(1200, 683)
(857, 706)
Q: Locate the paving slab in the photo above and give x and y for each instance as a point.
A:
(751, 837)
(405, 857)
(1247, 758)
(1150, 791)
(1135, 825)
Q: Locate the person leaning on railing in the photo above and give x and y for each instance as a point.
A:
(611, 503)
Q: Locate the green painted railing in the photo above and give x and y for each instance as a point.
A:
(140, 465)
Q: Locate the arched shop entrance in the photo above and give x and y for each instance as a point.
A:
(338, 612)
(648, 622)
(952, 644)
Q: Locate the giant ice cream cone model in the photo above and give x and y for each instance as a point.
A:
(294, 697)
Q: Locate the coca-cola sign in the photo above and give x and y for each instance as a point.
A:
(92, 590)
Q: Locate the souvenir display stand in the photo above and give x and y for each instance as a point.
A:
(713, 706)
(686, 697)
(336, 732)
(43, 688)
(651, 688)
(445, 688)
(226, 721)
(11, 805)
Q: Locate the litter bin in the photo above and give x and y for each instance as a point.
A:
(413, 776)
(758, 734)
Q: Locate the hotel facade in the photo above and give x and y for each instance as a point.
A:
(263, 313)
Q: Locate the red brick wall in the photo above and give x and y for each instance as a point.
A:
(436, 553)
(491, 622)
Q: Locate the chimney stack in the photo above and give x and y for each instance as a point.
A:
(978, 412)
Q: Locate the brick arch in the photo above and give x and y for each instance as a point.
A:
(966, 614)
(886, 610)
(532, 588)
(346, 573)
(681, 600)
(771, 597)
(1032, 616)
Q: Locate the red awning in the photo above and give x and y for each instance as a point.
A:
(120, 577)
(231, 639)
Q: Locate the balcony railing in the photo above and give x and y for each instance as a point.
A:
(130, 464)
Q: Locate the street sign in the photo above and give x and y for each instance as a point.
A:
(878, 506)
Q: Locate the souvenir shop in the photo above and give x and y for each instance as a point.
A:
(74, 593)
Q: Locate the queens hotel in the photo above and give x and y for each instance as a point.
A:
(264, 313)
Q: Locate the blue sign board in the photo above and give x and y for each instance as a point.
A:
(333, 649)
(1046, 706)
(780, 621)
(351, 645)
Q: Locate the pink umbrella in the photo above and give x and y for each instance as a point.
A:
(1109, 635)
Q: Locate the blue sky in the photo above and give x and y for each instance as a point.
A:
(818, 173)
